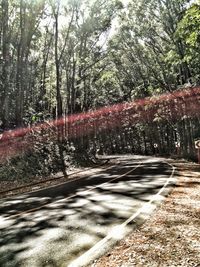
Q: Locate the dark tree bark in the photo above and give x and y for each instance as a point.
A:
(5, 65)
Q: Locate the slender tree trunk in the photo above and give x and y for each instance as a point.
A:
(19, 74)
(5, 65)
(57, 63)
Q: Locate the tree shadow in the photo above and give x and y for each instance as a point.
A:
(69, 219)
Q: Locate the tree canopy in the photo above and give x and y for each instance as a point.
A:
(59, 58)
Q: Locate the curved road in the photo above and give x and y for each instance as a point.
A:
(72, 223)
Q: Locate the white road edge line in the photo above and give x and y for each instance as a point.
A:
(61, 200)
(83, 259)
(71, 180)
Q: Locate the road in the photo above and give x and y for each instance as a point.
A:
(66, 225)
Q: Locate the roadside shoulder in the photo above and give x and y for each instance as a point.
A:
(170, 237)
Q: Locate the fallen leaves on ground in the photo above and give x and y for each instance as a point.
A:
(171, 237)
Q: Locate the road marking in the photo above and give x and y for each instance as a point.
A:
(154, 198)
(117, 232)
(88, 190)
(52, 179)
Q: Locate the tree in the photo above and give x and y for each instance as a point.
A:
(5, 63)
(188, 30)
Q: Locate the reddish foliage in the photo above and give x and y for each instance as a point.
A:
(170, 106)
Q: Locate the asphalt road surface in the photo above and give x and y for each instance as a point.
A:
(62, 225)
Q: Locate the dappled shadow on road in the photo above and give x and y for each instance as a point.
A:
(75, 216)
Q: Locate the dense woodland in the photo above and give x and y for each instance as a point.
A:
(59, 58)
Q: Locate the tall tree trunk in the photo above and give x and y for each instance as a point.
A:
(57, 63)
(19, 74)
(5, 65)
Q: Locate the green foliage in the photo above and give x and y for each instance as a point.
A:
(188, 31)
(189, 26)
(84, 63)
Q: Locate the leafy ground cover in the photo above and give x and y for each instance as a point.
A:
(38, 182)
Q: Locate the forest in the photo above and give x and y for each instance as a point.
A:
(85, 77)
